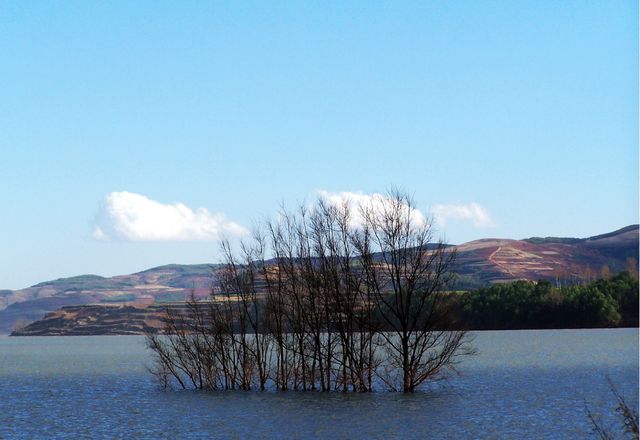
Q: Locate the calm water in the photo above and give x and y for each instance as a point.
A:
(522, 384)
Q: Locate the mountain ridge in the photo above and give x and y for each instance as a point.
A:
(479, 263)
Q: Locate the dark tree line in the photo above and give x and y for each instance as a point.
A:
(323, 298)
(607, 302)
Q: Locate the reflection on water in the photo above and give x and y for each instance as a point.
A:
(522, 384)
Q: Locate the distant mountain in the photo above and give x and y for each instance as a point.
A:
(478, 263)
(162, 284)
(625, 234)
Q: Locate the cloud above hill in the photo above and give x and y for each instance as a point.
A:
(129, 216)
(375, 201)
(441, 213)
(473, 212)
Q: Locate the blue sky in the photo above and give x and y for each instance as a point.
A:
(505, 118)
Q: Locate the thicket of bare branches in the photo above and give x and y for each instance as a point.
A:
(323, 298)
(628, 415)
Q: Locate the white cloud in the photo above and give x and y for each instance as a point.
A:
(376, 201)
(134, 217)
(477, 214)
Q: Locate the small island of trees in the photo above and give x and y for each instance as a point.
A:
(323, 298)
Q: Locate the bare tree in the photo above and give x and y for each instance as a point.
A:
(185, 356)
(408, 274)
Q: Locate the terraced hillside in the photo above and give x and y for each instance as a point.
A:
(94, 319)
(482, 262)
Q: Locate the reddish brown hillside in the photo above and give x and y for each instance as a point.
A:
(499, 260)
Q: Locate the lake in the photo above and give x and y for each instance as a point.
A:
(521, 384)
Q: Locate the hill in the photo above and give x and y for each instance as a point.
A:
(100, 319)
(488, 261)
(162, 284)
(479, 263)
